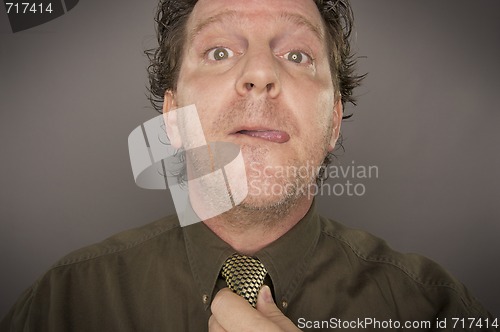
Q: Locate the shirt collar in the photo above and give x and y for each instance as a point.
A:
(286, 259)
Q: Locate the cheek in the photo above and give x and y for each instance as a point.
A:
(202, 90)
(316, 119)
(314, 103)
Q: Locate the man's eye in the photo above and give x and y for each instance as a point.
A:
(297, 57)
(220, 53)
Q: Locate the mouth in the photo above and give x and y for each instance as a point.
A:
(271, 135)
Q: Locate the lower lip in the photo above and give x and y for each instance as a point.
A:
(274, 136)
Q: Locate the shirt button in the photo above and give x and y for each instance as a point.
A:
(284, 304)
(205, 298)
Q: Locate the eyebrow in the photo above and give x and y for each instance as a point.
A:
(296, 19)
(226, 14)
(302, 21)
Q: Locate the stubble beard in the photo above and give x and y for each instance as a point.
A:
(268, 210)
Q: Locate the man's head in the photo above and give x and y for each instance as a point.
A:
(172, 17)
(270, 76)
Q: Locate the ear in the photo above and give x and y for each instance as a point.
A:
(338, 111)
(170, 119)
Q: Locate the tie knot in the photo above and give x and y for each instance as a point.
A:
(245, 276)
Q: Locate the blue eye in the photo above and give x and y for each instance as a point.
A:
(297, 57)
(219, 53)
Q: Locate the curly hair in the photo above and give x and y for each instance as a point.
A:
(172, 17)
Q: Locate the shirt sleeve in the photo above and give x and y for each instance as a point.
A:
(17, 319)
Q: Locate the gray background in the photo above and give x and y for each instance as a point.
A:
(73, 89)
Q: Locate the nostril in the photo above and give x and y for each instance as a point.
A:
(250, 86)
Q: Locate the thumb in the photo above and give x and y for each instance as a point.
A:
(266, 305)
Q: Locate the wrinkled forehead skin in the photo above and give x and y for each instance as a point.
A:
(245, 10)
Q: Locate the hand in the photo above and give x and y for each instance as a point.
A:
(231, 312)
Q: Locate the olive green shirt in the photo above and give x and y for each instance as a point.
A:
(162, 277)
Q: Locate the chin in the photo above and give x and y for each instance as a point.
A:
(259, 200)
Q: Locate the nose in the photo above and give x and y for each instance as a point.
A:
(260, 74)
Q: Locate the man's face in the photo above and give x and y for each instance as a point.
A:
(259, 75)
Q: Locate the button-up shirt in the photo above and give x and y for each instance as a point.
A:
(163, 277)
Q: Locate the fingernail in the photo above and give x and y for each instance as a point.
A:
(265, 292)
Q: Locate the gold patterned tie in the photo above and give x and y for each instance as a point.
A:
(245, 276)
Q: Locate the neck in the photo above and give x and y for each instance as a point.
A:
(248, 229)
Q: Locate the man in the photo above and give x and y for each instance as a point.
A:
(270, 77)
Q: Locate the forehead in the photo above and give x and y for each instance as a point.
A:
(242, 12)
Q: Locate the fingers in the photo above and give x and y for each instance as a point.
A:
(231, 313)
(266, 305)
(214, 326)
(231, 310)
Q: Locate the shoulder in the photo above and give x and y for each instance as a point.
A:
(166, 229)
(408, 273)
(371, 249)
(98, 273)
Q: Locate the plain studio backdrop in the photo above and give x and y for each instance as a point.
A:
(428, 118)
